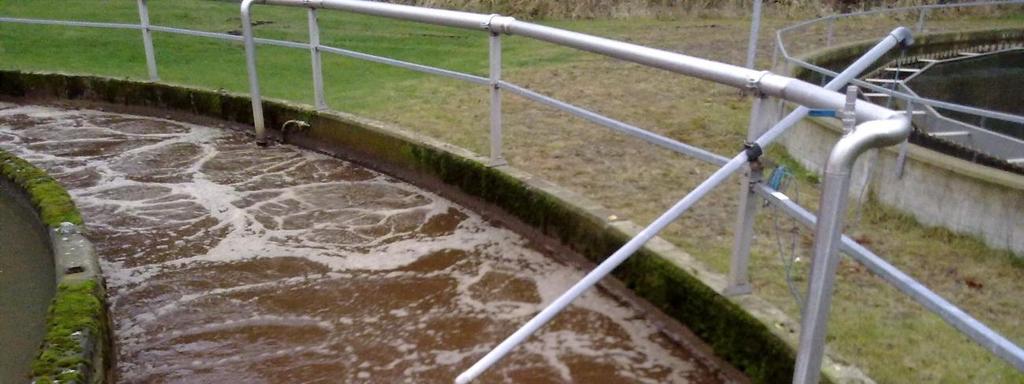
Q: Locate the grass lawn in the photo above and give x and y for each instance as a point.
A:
(892, 338)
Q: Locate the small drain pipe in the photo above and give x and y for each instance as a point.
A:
(295, 125)
(828, 232)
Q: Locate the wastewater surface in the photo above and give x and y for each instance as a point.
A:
(26, 286)
(225, 263)
(993, 81)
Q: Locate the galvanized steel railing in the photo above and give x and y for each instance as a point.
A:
(880, 126)
(1007, 148)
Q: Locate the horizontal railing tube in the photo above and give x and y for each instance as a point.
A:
(596, 118)
(86, 24)
(435, 16)
(765, 82)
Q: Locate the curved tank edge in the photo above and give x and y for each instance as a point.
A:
(77, 343)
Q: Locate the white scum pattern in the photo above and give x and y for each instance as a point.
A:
(172, 204)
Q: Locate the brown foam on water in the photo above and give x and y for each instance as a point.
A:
(230, 263)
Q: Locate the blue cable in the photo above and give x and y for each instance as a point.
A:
(778, 175)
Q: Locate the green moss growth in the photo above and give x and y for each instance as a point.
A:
(732, 332)
(76, 312)
(51, 200)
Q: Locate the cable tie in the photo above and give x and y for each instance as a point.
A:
(753, 150)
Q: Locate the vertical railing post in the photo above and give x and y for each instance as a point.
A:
(314, 52)
(831, 31)
(775, 55)
(901, 157)
(147, 40)
(739, 278)
(494, 57)
(920, 20)
(254, 81)
(828, 231)
(755, 28)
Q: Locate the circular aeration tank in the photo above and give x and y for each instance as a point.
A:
(993, 81)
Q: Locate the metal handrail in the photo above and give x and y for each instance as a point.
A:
(761, 83)
(780, 47)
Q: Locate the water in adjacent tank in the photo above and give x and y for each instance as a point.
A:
(230, 264)
(26, 286)
(994, 82)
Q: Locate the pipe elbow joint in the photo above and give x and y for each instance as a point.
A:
(247, 5)
(867, 135)
(903, 36)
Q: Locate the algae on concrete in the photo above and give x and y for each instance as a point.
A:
(76, 313)
(49, 197)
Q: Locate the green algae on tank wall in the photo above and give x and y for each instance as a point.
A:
(51, 200)
(72, 317)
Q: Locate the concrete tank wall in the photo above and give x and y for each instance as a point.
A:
(936, 189)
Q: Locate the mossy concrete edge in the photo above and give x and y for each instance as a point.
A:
(76, 347)
(748, 332)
